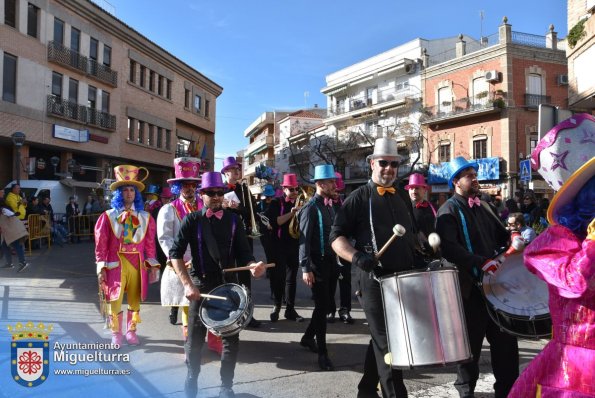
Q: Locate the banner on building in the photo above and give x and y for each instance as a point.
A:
(489, 169)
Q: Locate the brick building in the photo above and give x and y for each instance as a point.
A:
(581, 55)
(90, 92)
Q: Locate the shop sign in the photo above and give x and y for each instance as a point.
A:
(40, 164)
(70, 134)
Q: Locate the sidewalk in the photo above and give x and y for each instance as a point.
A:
(60, 288)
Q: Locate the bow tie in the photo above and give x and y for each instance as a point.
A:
(287, 200)
(329, 202)
(231, 186)
(419, 205)
(218, 214)
(127, 215)
(474, 202)
(383, 190)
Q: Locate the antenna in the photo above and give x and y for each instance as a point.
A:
(306, 95)
(481, 26)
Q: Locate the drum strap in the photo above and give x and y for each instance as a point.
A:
(465, 231)
(372, 234)
(199, 234)
(321, 230)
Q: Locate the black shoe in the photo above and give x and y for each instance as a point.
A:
(226, 392)
(330, 318)
(325, 363)
(22, 267)
(367, 394)
(7, 266)
(292, 315)
(253, 324)
(346, 318)
(309, 344)
(173, 315)
(275, 313)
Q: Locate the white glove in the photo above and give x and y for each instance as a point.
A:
(491, 266)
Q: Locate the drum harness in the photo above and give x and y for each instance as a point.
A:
(200, 253)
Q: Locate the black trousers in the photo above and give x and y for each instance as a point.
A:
(196, 338)
(320, 291)
(341, 274)
(284, 274)
(391, 380)
(504, 349)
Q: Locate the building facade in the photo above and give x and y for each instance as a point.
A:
(581, 55)
(90, 92)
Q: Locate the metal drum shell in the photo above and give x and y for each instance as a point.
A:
(425, 319)
(237, 318)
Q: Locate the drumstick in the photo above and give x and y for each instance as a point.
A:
(247, 267)
(212, 296)
(398, 230)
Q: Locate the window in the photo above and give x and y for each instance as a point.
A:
(168, 139)
(207, 106)
(160, 85)
(93, 49)
(10, 13)
(371, 95)
(480, 148)
(182, 147)
(107, 55)
(92, 98)
(186, 98)
(532, 143)
(131, 123)
(168, 92)
(480, 91)
(105, 102)
(75, 40)
(197, 100)
(59, 31)
(57, 84)
(534, 84)
(159, 137)
(9, 78)
(445, 100)
(151, 80)
(402, 85)
(150, 135)
(132, 71)
(32, 13)
(73, 91)
(143, 72)
(141, 132)
(444, 152)
(371, 128)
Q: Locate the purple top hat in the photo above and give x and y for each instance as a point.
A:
(228, 162)
(416, 180)
(211, 179)
(186, 169)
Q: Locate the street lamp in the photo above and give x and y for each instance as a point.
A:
(18, 139)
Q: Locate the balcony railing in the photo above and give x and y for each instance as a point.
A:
(65, 56)
(462, 106)
(69, 110)
(262, 142)
(533, 100)
(381, 97)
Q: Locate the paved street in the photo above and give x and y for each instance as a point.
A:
(60, 288)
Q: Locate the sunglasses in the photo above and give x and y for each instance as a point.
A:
(189, 185)
(291, 189)
(210, 194)
(384, 163)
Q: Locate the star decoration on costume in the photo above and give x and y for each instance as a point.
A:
(559, 160)
(589, 136)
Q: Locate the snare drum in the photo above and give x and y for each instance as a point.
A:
(425, 321)
(517, 300)
(226, 318)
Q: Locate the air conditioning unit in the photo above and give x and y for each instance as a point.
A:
(562, 80)
(492, 76)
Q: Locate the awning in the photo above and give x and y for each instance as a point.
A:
(69, 182)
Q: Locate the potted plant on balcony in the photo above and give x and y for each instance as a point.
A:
(481, 94)
(499, 103)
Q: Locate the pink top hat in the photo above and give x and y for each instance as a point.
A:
(166, 193)
(416, 180)
(339, 181)
(186, 169)
(289, 181)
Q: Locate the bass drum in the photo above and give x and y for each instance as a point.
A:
(228, 317)
(425, 321)
(517, 300)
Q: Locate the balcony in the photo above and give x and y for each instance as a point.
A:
(250, 169)
(462, 108)
(65, 56)
(299, 158)
(532, 101)
(258, 145)
(62, 108)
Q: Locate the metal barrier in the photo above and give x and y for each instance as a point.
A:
(82, 225)
(39, 228)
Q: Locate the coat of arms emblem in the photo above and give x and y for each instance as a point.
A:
(30, 353)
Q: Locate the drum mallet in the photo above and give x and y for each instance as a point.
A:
(434, 241)
(212, 296)
(398, 230)
(247, 267)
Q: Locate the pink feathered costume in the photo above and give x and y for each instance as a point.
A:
(566, 366)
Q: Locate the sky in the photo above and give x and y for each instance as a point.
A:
(271, 55)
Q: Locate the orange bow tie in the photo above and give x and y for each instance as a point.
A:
(383, 190)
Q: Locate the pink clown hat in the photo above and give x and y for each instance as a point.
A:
(186, 169)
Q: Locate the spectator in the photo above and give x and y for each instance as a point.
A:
(72, 211)
(11, 232)
(16, 202)
(100, 205)
(516, 222)
(59, 233)
(88, 206)
(528, 207)
(33, 206)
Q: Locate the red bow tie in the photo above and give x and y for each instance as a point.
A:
(231, 186)
(419, 205)
(288, 199)
(218, 214)
(474, 202)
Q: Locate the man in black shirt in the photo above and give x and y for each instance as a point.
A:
(368, 216)
(423, 211)
(471, 234)
(317, 258)
(216, 241)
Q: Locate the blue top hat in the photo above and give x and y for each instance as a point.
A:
(268, 190)
(457, 165)
(324, 172)
(152, 189)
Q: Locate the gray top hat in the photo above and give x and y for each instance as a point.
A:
(385, 147)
